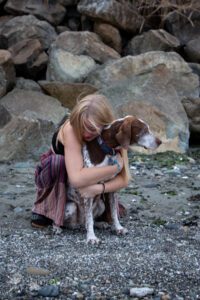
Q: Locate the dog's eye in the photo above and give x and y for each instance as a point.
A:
(141, 132)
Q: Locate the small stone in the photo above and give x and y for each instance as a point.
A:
(49, 291)
(165, 297)
(171, 226)
(191, 160)
(151, 185)
(18, 209)
(78, 295)
(34, 286)
(37, 271)
(141, 292)
(16, 279)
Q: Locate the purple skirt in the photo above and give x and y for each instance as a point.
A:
(51, 182)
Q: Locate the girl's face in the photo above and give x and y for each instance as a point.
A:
(90, 133)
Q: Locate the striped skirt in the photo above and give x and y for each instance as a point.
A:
(51, 182)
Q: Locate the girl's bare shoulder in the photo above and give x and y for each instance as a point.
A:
(68, 136)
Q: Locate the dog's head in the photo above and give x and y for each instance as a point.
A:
(131, 130)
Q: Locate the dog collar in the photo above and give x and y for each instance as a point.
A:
(105, 148)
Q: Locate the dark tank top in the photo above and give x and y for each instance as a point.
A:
(57, 146)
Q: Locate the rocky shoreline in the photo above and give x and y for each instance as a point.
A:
(158, 259)
(143, 57)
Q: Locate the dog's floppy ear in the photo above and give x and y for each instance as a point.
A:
(123, 135)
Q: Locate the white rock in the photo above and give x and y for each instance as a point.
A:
(191, 160)
(141, 292)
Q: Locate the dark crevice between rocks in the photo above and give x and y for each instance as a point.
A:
(194, 140)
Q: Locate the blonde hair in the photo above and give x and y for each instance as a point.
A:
(93, 109)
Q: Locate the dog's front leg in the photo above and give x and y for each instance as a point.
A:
(89, 221)
(114, 214)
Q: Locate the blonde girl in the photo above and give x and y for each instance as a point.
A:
(63, 163)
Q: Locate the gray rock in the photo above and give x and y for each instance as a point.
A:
(7, 72)
(109, 35)
(185, 27)
(25, 27)
(50, 11)
(141, 292)
(68, 68)
(18, 210)
(192, 50)
(152, 40)
(85, 43)
(195, 68)
(27, 84)
(29, 58)
(192, 108)
(122, 15)
(5, 116)
(30, 130)
(67, 93)
(49, 291)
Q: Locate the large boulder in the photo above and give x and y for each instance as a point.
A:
(66, 67)
(74, 55)
(67, 93)
(122, 15)
(7, 72)
(192, 108)
(52, 12)
(152, 40)
(192, 50)
(185, 26)
(85, 43)
(29, 58)
(109, 34)
(28, 133)
(195, 68)
(3, 39)
(151, 86)
(28, 27)
(5, 116)
(27, 84)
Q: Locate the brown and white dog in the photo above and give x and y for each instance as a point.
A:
(100, 152)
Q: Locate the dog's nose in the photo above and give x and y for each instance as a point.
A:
(158, 141)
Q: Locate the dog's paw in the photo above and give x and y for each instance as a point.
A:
(57, 230)
(121, 231)
(93, 240)
(101, 225)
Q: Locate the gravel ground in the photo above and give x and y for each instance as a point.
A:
(158, 259)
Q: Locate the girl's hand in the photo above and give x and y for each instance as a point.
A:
(120, 160)
(91, 191)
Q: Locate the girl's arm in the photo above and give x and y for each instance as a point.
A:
(113, 185)
(78, 175)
